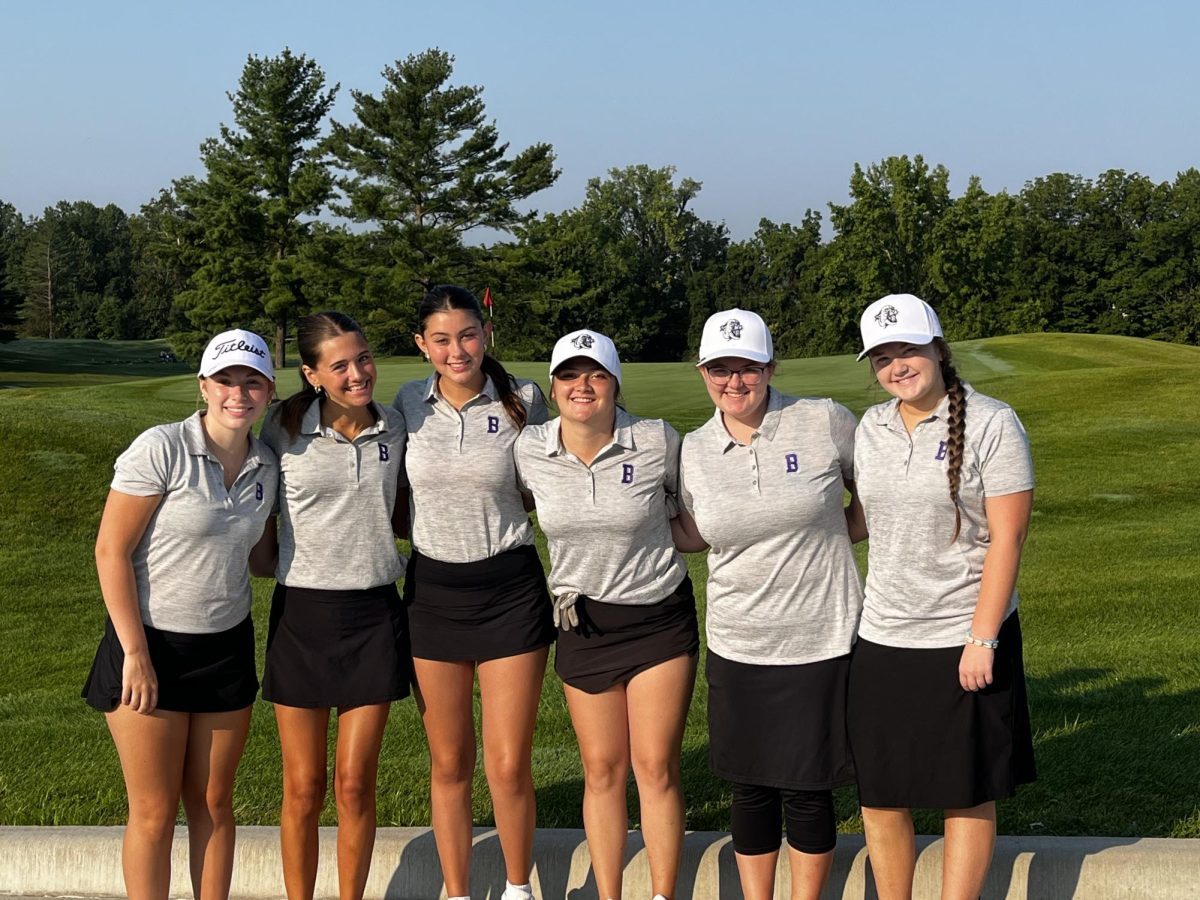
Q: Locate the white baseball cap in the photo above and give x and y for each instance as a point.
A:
(736, 332)
(236, 347)
(590, 344)
(898, 317)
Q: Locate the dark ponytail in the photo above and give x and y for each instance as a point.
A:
(311, 332)
(446, 297)
(955, 427)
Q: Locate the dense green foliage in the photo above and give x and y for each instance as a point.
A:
(1108, 601)
(422, 170)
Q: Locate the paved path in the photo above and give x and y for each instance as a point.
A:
(62, 862)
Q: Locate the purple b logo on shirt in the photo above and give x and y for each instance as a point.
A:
(941, 451)
(258, 490)
(493, 424)
(793, 463)
(383, 453)
(627, 473)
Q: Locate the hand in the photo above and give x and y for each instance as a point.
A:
(139, 684)
(975, 667)
(566, 616)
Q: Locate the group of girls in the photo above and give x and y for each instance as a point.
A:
(913, 690)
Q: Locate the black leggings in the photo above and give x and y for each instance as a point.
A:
(755, 819)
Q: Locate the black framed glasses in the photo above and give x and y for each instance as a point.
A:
(750, 375)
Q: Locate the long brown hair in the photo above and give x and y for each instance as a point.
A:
(311, 332)
(956, 421)
(446, 297)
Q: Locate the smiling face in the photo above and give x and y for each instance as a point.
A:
(236, 396)
(345, 370)
(911, 373)
(728, 390)
(455, 341)
(584, 391)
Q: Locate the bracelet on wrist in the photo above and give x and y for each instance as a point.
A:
(989, 643)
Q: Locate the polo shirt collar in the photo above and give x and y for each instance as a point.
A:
(311, 423)
(767, 428)
(193, 435)
(889, 413)
(432, 394)
(193, 440)
(622, 435)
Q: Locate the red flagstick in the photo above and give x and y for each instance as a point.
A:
(489, 304)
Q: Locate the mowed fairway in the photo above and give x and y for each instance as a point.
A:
(1109, 587)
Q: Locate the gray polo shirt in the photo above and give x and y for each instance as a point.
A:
(335, 502)
(464, 499)
(607, 525)
(921, 587)
(191, 565)
(783, 588)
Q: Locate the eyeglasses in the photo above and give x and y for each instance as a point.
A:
(750, 375)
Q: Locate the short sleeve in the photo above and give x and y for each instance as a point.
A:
(671, 460)
(516, 452)
(685, 496)
(270, 435)
(535, 402)
(842, 426)
(144, 469)
(272, 430)
(671, 470)
(1005, 463)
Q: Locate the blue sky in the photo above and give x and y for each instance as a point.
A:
(768, 104)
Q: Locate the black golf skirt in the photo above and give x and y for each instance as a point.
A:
(920, 740)
(337, 648)
(779, 726)
(614, 642)
(197, 673)
(477, 611)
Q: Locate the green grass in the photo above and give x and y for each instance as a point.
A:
(40, 363)
(1109, 599)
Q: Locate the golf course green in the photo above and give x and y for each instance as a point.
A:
(1110, 584)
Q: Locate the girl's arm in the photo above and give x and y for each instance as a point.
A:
(1008, 523)
(264, 555)
(121, 528)
(685, 534)
(400, 524)
(856, 518)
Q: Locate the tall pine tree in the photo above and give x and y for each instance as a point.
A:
(424, 165)
(248, 222)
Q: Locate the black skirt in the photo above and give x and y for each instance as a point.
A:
(615, 642)
(197, 673)
(477, 611)
(779, 726)
(336, 648)
(920, 740)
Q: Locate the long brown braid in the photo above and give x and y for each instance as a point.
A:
(955, 427)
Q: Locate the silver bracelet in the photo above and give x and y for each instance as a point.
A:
(990, 644)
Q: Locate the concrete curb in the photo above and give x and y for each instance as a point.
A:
(87, 861)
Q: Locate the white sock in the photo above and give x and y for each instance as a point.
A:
(512, 890)
(466, 897)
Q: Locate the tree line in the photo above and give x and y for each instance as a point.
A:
(296, 212)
